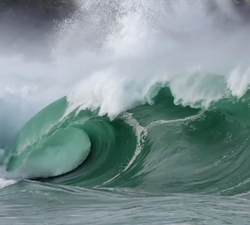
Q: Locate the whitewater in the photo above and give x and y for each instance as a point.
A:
(128, 112)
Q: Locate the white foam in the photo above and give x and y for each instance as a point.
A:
(180, 43)
(5, 183)
(110, 54)
(6, 179)
(141, 134)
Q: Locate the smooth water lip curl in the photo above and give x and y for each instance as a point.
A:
(47, 146)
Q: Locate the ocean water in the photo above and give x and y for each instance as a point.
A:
(138, 114)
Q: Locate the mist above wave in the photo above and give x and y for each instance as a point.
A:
(109, 54)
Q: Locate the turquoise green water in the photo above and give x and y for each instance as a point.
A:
(160, 163)
(154, 125)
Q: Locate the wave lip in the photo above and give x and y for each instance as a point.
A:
(59, 154)
(47, 146)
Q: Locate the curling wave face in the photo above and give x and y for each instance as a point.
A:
(159, 146)
(154, 125)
